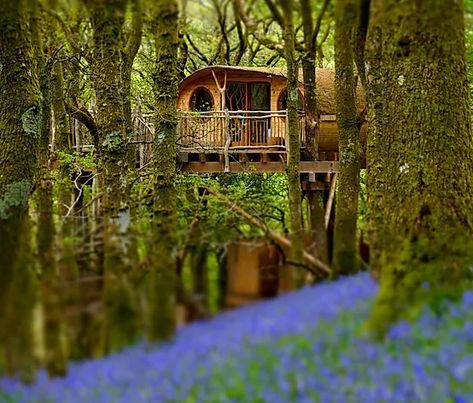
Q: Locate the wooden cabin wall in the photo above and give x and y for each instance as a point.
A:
(278, 85)
(328, 137)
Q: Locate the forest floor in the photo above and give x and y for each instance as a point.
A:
(306, 346)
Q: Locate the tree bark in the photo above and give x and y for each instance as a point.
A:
(294, 183)
(166, 78)
(107, 19)
(375, 143)
(425, 242)
(315, 198)
(345, 253)
(21, 114)
(55, 359)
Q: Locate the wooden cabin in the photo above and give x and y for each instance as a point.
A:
(234, 119)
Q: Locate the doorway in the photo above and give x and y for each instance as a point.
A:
(252, 126)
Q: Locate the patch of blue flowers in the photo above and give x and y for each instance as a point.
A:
(301, 347)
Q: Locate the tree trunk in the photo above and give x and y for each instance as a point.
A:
(345, 253)
(107, 18)
(314, 198)
(68, 270)
(20, 122)
(166, 78)
(376, 151)
(129, 54)
(55, 359)
(294, 183)
(426, 181)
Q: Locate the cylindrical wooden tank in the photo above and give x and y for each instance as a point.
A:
(252, 270)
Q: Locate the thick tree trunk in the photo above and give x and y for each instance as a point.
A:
(426, 181)
(294, 182)
(166, 78)
(345, 253)
(20, 132)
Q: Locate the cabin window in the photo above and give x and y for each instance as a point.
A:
(282, 101)
(236, 97)
(248, 96)
(260, 97)
(201, 100)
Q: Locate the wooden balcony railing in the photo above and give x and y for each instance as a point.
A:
(214, 130)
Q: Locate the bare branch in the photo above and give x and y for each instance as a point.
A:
(83, 115)
(318, 23)
(275, 12)
(71, 40)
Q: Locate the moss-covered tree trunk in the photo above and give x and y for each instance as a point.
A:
(314, 198)
(107, 18)
(294, 183)
(426, 181)
(162, 294)
(67, 268)
(62, 146)
(132, 45)
(345, 252)
(371, 72)
(20, 131)
(54, 358)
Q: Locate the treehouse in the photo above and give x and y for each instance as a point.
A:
(234, 119)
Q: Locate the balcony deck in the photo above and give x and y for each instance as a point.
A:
(233, 141)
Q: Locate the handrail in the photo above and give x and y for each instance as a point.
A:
(235, 129)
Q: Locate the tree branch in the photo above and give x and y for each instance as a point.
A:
(68, 34)
(252, 27)
(279, 239)
(275, 12)
(318, 24)
(134, 40)
(83, 115)
(197, 51)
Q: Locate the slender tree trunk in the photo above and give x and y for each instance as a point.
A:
(166, 79)
(314, 198)
(426, 179)
(20, 133)
(55, 359)
(345, 253)
(294, 183)
(375, 145)
(62, 147)
(107, 18)
(67, 267)
(129, 54)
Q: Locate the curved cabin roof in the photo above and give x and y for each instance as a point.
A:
(325, 82)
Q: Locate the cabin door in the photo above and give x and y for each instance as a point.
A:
(259, 121)
(236, 103)
(249, 106)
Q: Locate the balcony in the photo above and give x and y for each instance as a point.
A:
(232, 131)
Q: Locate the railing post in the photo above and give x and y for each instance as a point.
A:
(228, 140)
(286, 134)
